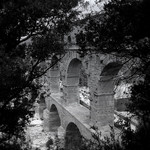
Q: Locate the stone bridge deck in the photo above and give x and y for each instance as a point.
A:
(72, 113)
(77, 111)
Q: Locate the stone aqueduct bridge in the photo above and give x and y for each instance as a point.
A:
(62, 111)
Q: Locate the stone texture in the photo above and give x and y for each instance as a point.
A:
(46, 117)
(101, 70)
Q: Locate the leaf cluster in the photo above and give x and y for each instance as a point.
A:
(121, 28)
(31, 33)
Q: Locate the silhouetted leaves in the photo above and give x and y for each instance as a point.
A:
(31, 32)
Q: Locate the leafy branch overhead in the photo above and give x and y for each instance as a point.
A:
(122, 27)
(31, 33)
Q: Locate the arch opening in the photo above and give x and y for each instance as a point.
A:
(106, 83)
(84, 90)
(71, 86)
(73, 72)
(118, 87)
(54, 119)
(73, 137)
(102, 107)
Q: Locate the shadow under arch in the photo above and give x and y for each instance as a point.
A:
(111, 69)
(71, 84)
(73, 72)
(106, 83)
(102, 106)
(73, 137)
(54, 119)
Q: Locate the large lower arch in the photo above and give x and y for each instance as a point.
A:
(54, 119)
(72, 137)
(73, 72)
(71, 93)
(102, 108)
(106, 83)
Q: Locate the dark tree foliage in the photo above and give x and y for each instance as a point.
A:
(140, 106)
(123, 29)
(30, 33)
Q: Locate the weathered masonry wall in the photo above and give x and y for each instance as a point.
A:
(63, 106)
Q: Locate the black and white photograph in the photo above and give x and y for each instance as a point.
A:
(74, 74)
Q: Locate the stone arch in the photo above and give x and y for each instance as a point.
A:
(102, 106)
(72, 137)
(54, 119)
(111, 69)
(70, 88)
(73, 72)
(106, 82)
(65, 62)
